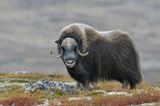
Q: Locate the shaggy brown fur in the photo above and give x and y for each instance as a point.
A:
(112, 56)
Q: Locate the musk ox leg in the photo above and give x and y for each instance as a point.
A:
(125, 84)
(94, 85)
(78, 86)
(133, 86)
(87, 86)
(83, 86)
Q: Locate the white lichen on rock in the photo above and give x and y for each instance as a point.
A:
(112, 93)
(79, 98)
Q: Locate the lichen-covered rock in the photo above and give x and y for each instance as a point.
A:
(65, 87)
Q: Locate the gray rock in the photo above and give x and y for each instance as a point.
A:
(65, 87)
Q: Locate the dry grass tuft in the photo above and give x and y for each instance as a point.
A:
(37, 76)
(125, 101)
(20, 101)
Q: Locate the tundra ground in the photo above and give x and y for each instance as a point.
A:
(12, 91)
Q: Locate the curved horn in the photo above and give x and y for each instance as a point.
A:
(58, 56)
(82, 54)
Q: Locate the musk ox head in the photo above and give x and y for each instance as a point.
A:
(72, 44)
(69, 51)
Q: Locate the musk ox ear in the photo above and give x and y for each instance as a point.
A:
(57, 41)
(59, 51)
(58, 44)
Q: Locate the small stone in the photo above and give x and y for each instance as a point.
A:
(46, 103)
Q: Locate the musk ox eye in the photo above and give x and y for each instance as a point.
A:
(62, 48)
(74, 48)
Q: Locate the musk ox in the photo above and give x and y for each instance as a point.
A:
(91, 56)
